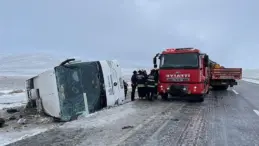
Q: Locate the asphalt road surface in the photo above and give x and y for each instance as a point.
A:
(225, 118)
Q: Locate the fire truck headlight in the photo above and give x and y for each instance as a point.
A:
(194, 88)
(184, 89)
(168, 88)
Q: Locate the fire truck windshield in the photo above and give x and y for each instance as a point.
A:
(181, 60)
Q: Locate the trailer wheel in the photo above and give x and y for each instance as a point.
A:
(224, 87)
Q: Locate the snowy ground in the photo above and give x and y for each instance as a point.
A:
(251, 75)
(37, 124)
(8, 100)
(224, 118)
(13, 131)
(7, 86)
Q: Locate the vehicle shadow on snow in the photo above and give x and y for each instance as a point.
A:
(170, 99)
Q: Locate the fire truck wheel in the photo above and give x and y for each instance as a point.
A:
(208, 92)
(164, 96)
(201, 99)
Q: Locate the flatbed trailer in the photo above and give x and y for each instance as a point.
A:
(221, 78)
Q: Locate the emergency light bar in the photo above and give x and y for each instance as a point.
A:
(169, 50)
(184, 49)
(178, 49)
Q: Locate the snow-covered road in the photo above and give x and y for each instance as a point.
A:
(224, 118)
(130, 114)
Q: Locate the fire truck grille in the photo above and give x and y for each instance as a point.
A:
(178, 79)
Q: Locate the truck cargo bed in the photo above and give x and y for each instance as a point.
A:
(226, 73)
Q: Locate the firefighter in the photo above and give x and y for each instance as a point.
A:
(151, 85)
(156, 82)
(145, 89)
(134, 81)
(141, 84)
(144, 73)
(125, 88)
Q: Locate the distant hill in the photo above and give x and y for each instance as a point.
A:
(26, 64)
(251, 73)
(35, 63)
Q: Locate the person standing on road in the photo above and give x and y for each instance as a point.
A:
(134, 81)
(156, 82)
(151, 85)
(145, 89)
(141, 84)
(125, 88)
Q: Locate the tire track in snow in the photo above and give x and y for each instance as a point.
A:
(192, 130)
(142, 132)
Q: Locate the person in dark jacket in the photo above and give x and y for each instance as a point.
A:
(134, 83)
(145, 89)
(125, 88)
(156, 81)
(141, 84)
(151, 85)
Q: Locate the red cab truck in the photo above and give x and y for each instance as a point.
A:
(186, 72)
(183, 72)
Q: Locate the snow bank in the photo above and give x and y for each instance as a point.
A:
(251, 75)
(11, 137)
(251, 80)
(8, 100)
(5, 91)
(103, 117)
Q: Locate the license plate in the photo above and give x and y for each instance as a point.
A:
(226, 77)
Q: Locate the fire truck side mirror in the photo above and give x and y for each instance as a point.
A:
(206, 60)
(154, 62)
(155, 59)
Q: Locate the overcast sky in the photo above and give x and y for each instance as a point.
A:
(132, 31)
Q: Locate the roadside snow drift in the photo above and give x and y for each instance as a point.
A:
(9, 99)
(251, 75)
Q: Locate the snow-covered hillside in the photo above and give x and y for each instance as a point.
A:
(251, 73)
(28, 64)
(34, 63)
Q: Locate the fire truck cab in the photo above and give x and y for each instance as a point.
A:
(183, 72)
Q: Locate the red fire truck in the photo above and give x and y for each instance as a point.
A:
(186, 72)
(183, 72)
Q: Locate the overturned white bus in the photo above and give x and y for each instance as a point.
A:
(73, 88)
